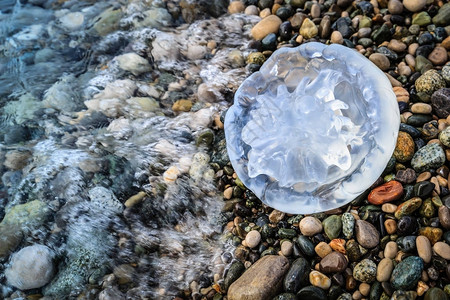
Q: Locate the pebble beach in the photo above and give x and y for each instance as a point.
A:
(115, 179)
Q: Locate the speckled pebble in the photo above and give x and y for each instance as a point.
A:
(428, 157)
(429, 82)
(407, 273)
(365, 271)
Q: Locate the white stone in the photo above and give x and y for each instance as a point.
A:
(133, 63)
(72, 21)
(313, 129)
(31, 267)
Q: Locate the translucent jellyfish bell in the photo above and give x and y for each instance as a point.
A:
(313, 129)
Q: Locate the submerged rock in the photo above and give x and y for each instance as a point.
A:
(32, 267)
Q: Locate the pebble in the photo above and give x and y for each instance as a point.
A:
(384, 269)
(308, 29)
(276, 216)
(395, 7)
(432, 233)
(261, 280)
(428, 157)
(297, 276)
(287, 248)
(312, 292)
(182, 105)
(332, 226)
(424, 248)
(438, 56)
(16, 159)
(323, 249)
(251, 10)
(348, 225)
(391, 226)
(268, 25)
(444, 137)
(408, 207)
(396, 45)
(31, 267)
(442, 249)
(407, 273)
(253, 238)
(236, 7)
(440, 100)
(365, 271)
(366, 234)
(390, 191)
(319, 280)
(422, 19)
(315, 11)
(435, 293)
(389, 208)
(380, 60)
(353, 250)
(336, 38)
(406, 176)
(133, 63)
(234, 272)
(310, 226)
(391, 249)
(443, 16)
(421, 108)
(401, 94)
(414, 5)
(333, 262)
(429, 82)
(444, 216)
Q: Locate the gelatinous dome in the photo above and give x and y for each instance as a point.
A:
(313, 129)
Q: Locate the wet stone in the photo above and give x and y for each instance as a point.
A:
(440, 101)
(432, 233)
(333, 262)
(262, 280)
(444, 216)
(366, 234)
(442, 249)
(390, 191)
(353, 250)
(332, 226)
(311, 293)
(407, 273)
(435, 293)
(444, 137)
(297, 276)
(305, 245)
(310, 226)
(423, 188)
(382, 34)
(407, 225)
(406, 176)
(408, 207)
(319, 280)
(429, 82)
(365, 271)
(234, 272)
(443, 16)
(384, 269)
(407, 243)
(348, 225)
(428, 157)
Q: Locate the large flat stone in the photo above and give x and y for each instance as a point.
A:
(261, 281)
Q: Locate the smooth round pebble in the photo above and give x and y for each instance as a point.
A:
(424, 248)
(442, 249)
(253, 238)
(310, 226)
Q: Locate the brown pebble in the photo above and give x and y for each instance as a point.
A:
(389, 208)
(323, 249)
(422, 287)
(444, 216)
(251, 10)
(384, 269)
(396, 45)
(380, 60)
(395, 7)
(391, 226)
(438, 56)
(421, 108)
(442, 249)
(414, 5)
(423, 176)
(333, 262)
(336, 37)
(270, 24)
(276, 216)
(401, 94)
(424, 248)
(366, 234)
(364, 289)
(391, 249)
(265, 13)
(315, 11)
(236, 7)
(446, 43)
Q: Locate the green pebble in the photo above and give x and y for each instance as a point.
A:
(332, 226)
(435, 293)
(421, 19)
(348, 225)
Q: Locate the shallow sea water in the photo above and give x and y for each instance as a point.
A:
(95, 164)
